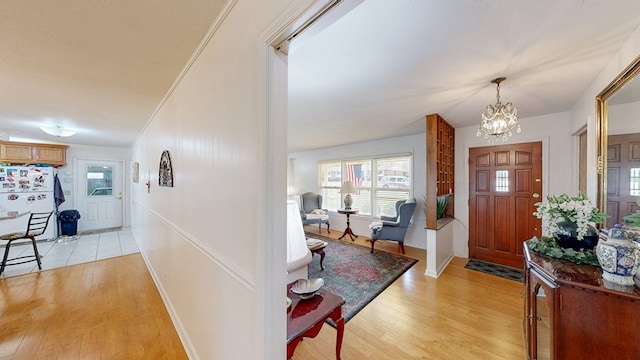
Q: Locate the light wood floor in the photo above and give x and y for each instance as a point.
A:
(108, 309)
(464, 314)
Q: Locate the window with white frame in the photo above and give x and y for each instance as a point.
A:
(380, 182)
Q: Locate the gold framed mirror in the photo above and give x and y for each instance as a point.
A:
(621, 95)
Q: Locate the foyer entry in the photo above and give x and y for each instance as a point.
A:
(505, 182)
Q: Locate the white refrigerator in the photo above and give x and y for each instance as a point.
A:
(25, 189)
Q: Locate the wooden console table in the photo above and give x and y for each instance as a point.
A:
(571, 312)
(305, 317)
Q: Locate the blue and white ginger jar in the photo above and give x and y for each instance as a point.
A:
(618, 257)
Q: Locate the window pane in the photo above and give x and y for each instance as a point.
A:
(359, 173)
(634, 182)
(393, 173)
(99, 180)
(372, 197)
(386, 201)
(329, 181)
(331, 198)
(393, 182)
(330, 174)
(502, 180)
(362, 202)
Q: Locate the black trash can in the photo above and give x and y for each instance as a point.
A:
(69, 222)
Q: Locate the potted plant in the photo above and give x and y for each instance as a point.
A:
(441, 206)
(567, 220)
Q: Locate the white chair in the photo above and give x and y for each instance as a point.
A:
(298, 254)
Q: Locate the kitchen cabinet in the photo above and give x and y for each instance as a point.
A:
(32, 153)
(572, 313)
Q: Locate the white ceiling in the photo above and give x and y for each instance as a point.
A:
(102, 67)
(97, 67)
(378, 70)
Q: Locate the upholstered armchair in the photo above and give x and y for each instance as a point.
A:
(312, 211)
(394, 228)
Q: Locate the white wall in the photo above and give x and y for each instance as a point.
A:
(305, 178)
(215, 242)
(584, 111)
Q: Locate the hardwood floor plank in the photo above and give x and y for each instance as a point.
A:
(464, 314)
(111, 309)
(107, 309)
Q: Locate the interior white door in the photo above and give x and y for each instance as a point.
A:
(99, 194)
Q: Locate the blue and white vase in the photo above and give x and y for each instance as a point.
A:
(618, 257)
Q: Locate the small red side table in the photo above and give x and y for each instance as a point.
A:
(305, 317)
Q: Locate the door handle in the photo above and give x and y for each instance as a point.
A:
(119, 196)
(536, 195)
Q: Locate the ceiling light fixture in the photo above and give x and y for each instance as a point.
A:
(58, 131)
(498, 120)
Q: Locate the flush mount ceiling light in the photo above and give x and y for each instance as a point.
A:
(58, 131)
(498, 120)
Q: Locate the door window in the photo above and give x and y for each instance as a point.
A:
(502, 180)
(99, 180)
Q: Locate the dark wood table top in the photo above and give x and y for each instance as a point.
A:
(303, 314)
(566, 272)
(348, 211)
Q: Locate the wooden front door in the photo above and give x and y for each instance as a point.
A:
(505, 182)
(623, 175)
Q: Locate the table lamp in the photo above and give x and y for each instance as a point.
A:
(348, 188)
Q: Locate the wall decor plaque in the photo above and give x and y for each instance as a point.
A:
(165, 174)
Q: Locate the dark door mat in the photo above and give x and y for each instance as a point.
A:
(506, 272)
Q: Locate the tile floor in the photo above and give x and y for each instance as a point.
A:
(83, 248)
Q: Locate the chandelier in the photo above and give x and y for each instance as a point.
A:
(498, 120)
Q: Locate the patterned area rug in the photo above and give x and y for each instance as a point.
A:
(352, 272)
(496, 269)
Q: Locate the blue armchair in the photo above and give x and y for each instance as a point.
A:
(394, 228)
(310, 202)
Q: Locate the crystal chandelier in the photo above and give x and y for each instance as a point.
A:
(498, 120)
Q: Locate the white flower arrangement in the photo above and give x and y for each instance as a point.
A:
(578, 209)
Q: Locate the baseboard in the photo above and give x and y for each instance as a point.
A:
(439, 270)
